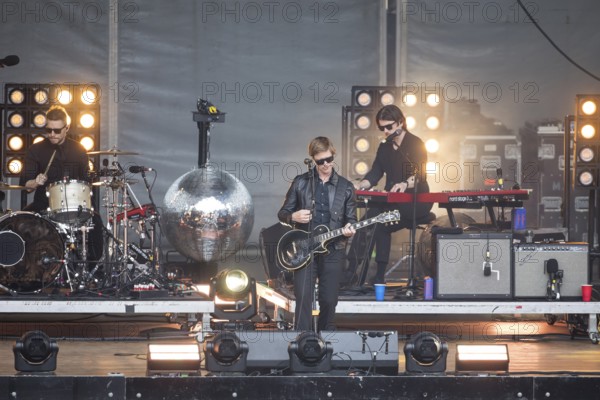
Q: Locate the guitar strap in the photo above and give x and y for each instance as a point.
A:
(338, 199)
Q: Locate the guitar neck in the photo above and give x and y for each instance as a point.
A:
(338, 232)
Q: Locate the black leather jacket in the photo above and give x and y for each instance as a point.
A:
(342, 202)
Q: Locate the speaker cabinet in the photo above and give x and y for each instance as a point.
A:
(474, 266)
(531, 276)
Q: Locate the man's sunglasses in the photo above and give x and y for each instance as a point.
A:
(322, 161)
(388, 126)
(54, 130)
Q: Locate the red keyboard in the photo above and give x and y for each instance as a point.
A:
(457, 197)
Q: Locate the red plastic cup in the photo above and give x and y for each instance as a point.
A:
(586, 292)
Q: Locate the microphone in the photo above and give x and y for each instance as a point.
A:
(552, 266)
(136, 169)
(308, 161)
(9, 61)
(50, 260)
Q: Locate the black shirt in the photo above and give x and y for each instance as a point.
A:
(70, 162)
(322, 213)
(399, 164)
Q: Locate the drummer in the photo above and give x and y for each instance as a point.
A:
(53, 159)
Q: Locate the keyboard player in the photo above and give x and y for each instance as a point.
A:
(400, 157)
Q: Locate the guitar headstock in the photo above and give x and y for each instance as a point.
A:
(389, 217)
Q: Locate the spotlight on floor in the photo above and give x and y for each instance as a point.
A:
(181, 359)
(310, 353)
(35, 352)
(225, 353)
(425, 354)
(234, 294)
(476, 358)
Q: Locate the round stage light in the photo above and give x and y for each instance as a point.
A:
(432, 145)
(364, 99)
(37, 139)
(16, 96)
(87, 120)
(232, 285)
(588, 131)
(14, 165)
(411, 123)
(433, 99)
(226, 347)
(586, 154)
(361, 168)
(387, 98)
(16, 120)
(40, 96)
(586, 178)
(65, 97)
(362, 144)
(409, 99)
(15, 143)
(309, 348)
(89, 96)
(39, 120)
(35, 352)
(432, 123)
(363, 121)
(87, 142)
(588, 107)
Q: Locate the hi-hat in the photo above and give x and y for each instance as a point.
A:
(5, 186)
(115, 183)
(114, 152)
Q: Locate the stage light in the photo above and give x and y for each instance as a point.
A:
(411, 123)
(586, 154)
(14, 166)
(433, 99)
(35, 352)
(425, 353)
(409, 99)
(588, 131)
(362, 144)
(310, 353)
(15, 143)
(64, 97)
(39, 120)
(17, 96)
(16, 120)
(585, 178)
(361, 168)
(41, 96)
(387, 98)
(364, 99)
(234, 294)
(474, 358)
(37, 139)
(225, 352)
(87, 142)
(432, 123)
(173, 359)
(87, 120)
(363, 121)
(432, 145)
(89, 95)
(588, 107)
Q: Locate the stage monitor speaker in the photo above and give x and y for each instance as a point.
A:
(375, 352)
(531, 275)
(474, 266)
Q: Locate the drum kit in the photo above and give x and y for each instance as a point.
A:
(69, 246)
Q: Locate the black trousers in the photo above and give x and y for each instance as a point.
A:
(328, 269)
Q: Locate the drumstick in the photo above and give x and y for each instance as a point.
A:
(50, 163)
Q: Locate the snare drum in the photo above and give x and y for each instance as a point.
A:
(31, 248)
(70, 201)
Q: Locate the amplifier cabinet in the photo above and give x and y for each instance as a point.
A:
(474, 266)
(531, 277)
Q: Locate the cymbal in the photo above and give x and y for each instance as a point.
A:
(114, 152)
(4, 186)
(115, 183)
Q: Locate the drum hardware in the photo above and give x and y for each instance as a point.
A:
(113, 152)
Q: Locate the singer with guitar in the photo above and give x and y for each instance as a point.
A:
(320, 197)
(402, 157)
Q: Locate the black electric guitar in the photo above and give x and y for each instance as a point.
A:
(295, 250)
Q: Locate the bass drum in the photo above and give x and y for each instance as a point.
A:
(30, 246)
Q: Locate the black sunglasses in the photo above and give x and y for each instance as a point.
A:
(388, 126)
(322, 161)
(55, 130)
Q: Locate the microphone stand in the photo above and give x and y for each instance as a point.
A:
(315, 312)
(411, 257)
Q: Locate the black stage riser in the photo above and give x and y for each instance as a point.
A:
(301, 388)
